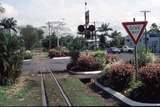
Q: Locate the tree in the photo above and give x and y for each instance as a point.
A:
(104, 30)
(30, 36)
(40, 34)
(78, 44)
(117, 39)
(11, 49)
(53, 38)
(66, 41)
(102, 41)
(9, 24)
(154, 28)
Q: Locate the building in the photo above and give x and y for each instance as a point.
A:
(153, 41)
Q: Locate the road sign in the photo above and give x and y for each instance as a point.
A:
(135, 29)
(87, 17)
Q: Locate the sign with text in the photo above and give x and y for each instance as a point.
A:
(135, 29)
(87, 17)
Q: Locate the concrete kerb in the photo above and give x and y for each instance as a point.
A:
(122, 97)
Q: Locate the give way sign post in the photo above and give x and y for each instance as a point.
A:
(135, 30)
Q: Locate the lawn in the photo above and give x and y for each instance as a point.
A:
(79, 94)
(24, 93)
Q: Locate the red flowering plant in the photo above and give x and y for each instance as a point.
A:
(58, 52)
(118, 76)
(150, 76)
(85, 63)
(111, 58)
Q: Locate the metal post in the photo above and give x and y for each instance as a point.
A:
(49, 29)
(136, 63)
(95, 36)
(135, 76)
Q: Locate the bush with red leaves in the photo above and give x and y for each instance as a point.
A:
(118, 77)
(149, 91)
(85, 63)
(57, 53)
(150, 76)
(111, 58)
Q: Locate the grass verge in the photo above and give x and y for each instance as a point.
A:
(79, 94)
(27, 95)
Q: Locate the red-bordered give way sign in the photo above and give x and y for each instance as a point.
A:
(135, 29)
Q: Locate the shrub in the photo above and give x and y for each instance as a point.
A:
(148, 90)
(10, 58)
(27, 55)
(118, 77)
(58, 52)
(150, 76)
(85, 63)
(100, 57)
(74, 58)
(143, 57)
(110, 58)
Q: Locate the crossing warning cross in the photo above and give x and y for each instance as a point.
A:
(135, 29)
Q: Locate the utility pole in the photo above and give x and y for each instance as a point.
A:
(145, 19)
(49, 31)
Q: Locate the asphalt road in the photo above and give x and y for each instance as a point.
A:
(125, 56)
(33, 65)
(57, 64)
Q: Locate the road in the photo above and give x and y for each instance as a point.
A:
(32, 65)
(125, 56)
(58, 64)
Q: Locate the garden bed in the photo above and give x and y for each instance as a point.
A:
(87, 74)
(123, 98)
(61, 58)
(145, 89)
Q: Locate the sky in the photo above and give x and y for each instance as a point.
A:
(39, 12)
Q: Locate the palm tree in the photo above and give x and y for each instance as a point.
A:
(105, 29)
(9, 24)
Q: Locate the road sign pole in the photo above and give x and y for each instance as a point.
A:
(135, 31)
(136, 63)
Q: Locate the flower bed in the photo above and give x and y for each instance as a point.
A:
(84, 63)
(111, 58)
(146, 89)
(117, 76)
(58, 52)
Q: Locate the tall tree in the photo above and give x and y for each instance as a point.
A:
(104, 30)
(117, 39)
(102, 41)
(30, 36)
(154, 28)
(9, 24)
(40, 33)
(52, 38)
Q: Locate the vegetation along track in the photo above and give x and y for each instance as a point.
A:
(55, 86)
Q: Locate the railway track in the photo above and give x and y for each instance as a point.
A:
(46, 88)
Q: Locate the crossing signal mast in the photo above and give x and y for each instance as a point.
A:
(87, 29)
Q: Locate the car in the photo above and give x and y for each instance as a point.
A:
(113, 50)
(127, 49)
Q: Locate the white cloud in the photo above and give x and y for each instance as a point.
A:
(10, 11)
(38, 12)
